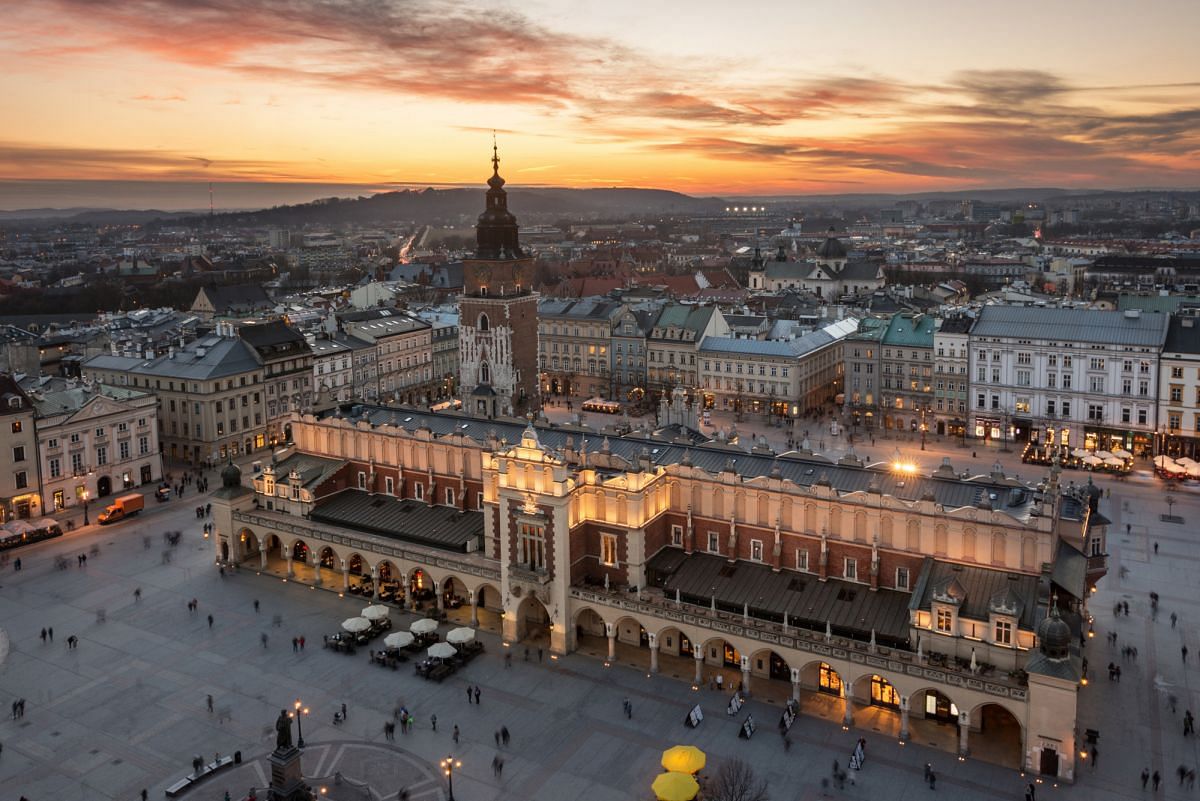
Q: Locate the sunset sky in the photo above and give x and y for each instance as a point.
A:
(704, 97)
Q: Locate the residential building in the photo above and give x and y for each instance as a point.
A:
(95, 440)
(574, 345)
(1178, 423)
(1078, 378)
(211, 395)
(333, 366)
(403, 352)
(19, 478)
(831, 274)
(630, 330)
(860, 361)
(906, 364)
(231, 301)
(952, 379)
(673, 345)
(287, 376)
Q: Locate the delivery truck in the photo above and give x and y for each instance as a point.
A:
(122, 507)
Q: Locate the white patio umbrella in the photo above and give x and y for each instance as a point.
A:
(460, 635)
(1184, 461)
(1165, 463)
(356, 625)
(19, 527)
(1114, 461)
(425, 625)
(1121, 453)
(1079, 453)
(398, 639)
(375, 612)
(442, 650)
(1091, 461)
(1102, 454)
(1193, 470)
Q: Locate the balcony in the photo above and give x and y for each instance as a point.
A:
(520, 572)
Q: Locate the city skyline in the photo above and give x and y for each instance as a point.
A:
(763, 101)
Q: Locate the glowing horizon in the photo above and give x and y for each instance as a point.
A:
(773, 99)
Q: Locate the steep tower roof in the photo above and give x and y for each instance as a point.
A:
(496, 231)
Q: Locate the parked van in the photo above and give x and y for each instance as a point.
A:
(122, 507)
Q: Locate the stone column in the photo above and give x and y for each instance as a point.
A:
(653, 643)
(698, 655)
(964, 731)
(746, 675)
(316, 565)
(848, 717)
(262, 559)
(474, 609)
(610, 629)
(345, 576)
(903, 718)
(437, 596)
(796, 685)
(291, 572)
(375, 582)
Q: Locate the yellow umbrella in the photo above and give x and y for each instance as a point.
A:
(675, 786)
(684, 759)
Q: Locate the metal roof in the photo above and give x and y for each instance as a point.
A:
(980, 586)
(849, 607)
(210, 357)
(1073, 325)
(747, 347)
(402, 519)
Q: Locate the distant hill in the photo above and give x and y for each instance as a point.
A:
(457, 205)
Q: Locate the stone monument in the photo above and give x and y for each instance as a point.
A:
(287, 778)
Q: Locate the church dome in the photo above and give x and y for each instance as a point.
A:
(1054, 636)
(231, 476)
(832, 248)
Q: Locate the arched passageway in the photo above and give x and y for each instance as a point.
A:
(533, 622)
(996, 736)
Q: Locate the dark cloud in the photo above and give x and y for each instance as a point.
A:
(24, 160)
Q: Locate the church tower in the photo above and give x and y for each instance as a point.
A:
(498, 330)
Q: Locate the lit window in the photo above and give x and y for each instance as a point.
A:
(1003, 632)
(945, 621)
(608, 550)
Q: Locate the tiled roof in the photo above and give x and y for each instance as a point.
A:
(221, 357)
(1183, 336)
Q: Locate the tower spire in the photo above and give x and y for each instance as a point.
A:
(495, 155)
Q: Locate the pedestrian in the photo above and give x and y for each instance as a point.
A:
(1095, 756)
(301, 642)
(295, 644)
(468, 693)
(932, 780)
(1183, 651)
(539, 653)
(455, 735)
(1125, 606)
(928, 771)
(50, 633)
(1181, 772)
(497, 738)
(526, 652)
(504, 735)
(476, 695)
(1145, 777)
(1155, 780)
(508, 659)
(1174, 617)
(43, 635)
(343, 712)
(210, 621)
(500, 769)
(1156, 549)
(137, 595)
(433, 722)
(256, 606)
(263, 638)
(17, 564)
(210, 704)
(496, 765)
(146, 794)
(1032, 791)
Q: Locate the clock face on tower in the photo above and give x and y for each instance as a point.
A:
(483, 273)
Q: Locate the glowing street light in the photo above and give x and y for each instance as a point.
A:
(449, 765)
(301, 711)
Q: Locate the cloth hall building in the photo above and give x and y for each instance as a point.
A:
(943, 606)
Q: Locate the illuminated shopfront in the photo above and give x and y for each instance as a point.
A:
(883, 693)
(829, 681)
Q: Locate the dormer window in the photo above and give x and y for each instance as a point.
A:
(1003, 631)
(944, 620)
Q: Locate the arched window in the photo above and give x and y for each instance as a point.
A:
(485, 374)
(484, 323)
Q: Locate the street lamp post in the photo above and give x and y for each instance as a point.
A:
(301, 711)
(449, 765)
(85, 508)
(924, 428)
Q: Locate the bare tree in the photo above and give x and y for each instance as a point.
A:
(735, 781)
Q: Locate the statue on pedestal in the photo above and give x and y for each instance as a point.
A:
(283, 731)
